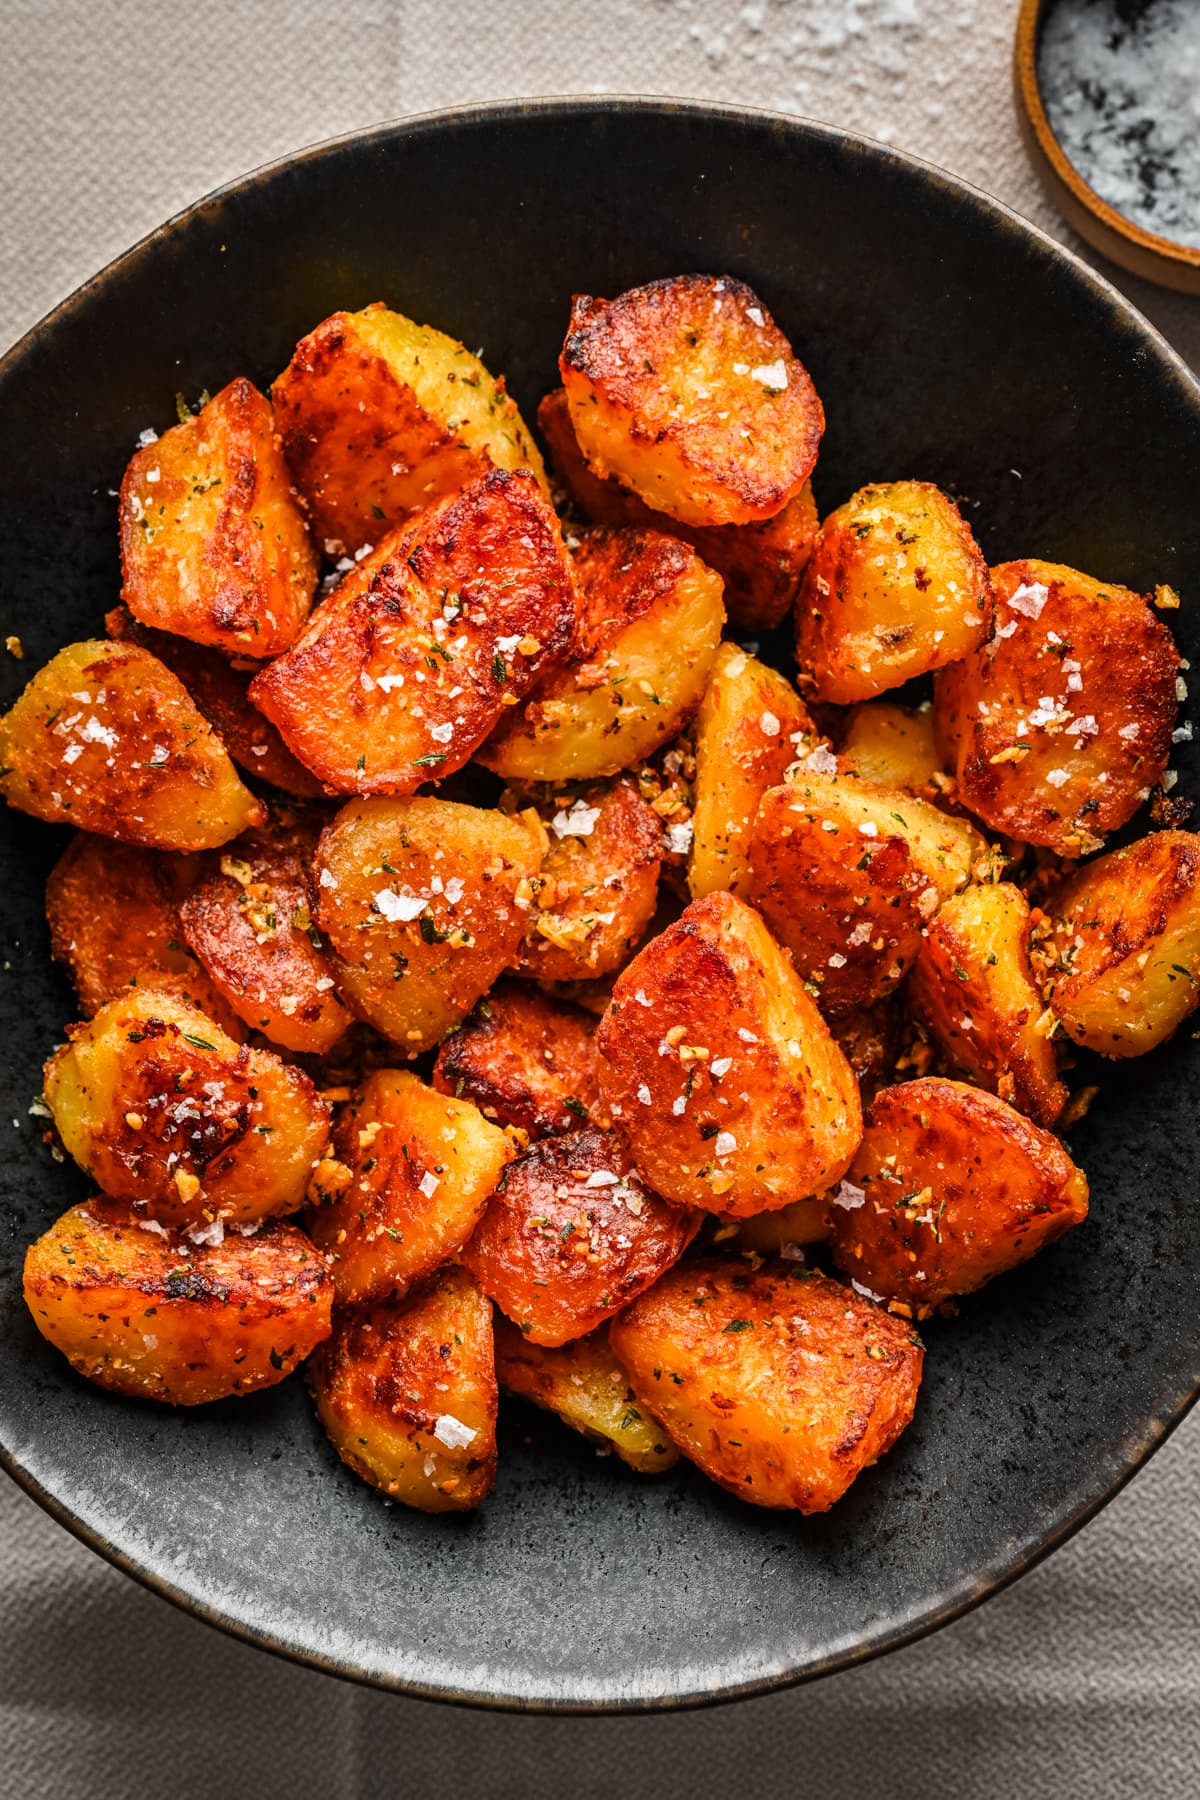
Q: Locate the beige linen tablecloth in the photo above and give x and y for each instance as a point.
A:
(1085, 1678)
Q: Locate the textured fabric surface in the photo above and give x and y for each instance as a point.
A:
(1082, 1680)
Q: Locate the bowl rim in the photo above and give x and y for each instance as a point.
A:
(1109, 1477)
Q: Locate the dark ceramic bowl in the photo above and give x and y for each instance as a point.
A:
(950, 341)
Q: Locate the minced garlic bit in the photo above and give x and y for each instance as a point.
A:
(186, 1185)
(16, 648)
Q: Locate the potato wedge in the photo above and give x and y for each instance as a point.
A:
(571, 1234)
(950, 1187)
(650, 622)
(781, 1385)
(106, 738)
(584, 1385)
(113, 913)
(152, 1315)
(720, 1072)
(894, 746)
(527, 1060)
(1059, 726)
(687, 392)
(408, 1395)
(406, 667)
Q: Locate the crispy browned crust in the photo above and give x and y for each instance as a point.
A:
(112, 913)
(584, 1385)
(527, 1060)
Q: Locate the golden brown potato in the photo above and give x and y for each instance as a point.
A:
(1120, 960)
(526, 1060)
(973, 987)
(192, 986)
(153, 1315)
(950, 1187)
(113, 912)
(420, 649)
(688, 392)
(784, 1233)
(760, 564)
(584, 1384)
(719, 1070)
(249, 923)
(420, 901)
(847, 875)
(892, 745)
(751, 726)
(408, 1395)
(106, 738)
(895, 586)
(422, 1167)
(780, 1384)
(1059, 726)
(165, 1111)
(381, 416)
(571, 1234)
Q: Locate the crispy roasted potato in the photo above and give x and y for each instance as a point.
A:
(719, 1070)
(571, 1234)
(584, 1384)
(151, 1314)
(892, 745)
(848, 874)
(114, 911)
(422, 1167)
(527, 1060)
(973, 987)
(650, 622)
(1120, 954)
(786, 1231)
(406, 667)
(781, 1385)
(419, 901)
(106, 738)
(164, 1110)
(951, 1186)
(381, 416)
(193, 986)
(408, 1395)
(1059, 726)
(751, 725)
(688, 392)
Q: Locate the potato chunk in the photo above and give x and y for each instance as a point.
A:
(895, 586)
(848, 874)
(158, 1317)
(214, 545)
(571, 1234)
(1120, 957)
(973, 987)
(1058, 727)
(381, 416)
(751, 726)
(786, 1232)
(408, 1395)
(106, 738)
(950, 1188)
(112, 913)
(418, 900)
(720, 1072)
(525, 1060)
(164, 1110)
(422, 1168)
(892, 745)
(781, 1385)
(687, 391)
(585, 1386)
(406, 667)
(650, 622)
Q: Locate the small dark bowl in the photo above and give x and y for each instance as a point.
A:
(949, 341)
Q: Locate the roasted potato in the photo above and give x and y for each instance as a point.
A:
(571, 1234)
(114, 911)
(408, 1395)
(106, 738)
(420, 901)
(381, 416)
(422, 1167)
(164, 1110)
(650, 622)
(720, 1072)
(151, 1314)
(951, 1186)
(526, 1060)
(780, 1384)
(892, 745)
(420, 649)
(1059, 726)
(585, 1386)
(687, 392)
(785, 1232)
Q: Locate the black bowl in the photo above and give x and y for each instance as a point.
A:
(949, 341)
